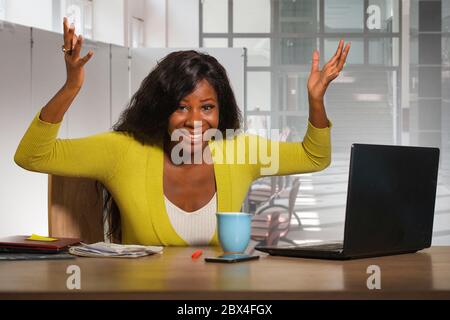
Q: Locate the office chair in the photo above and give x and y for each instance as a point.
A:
(262, 192)
(284, 193)
(75, 209)
(271, 223)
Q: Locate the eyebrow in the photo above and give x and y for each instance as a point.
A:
(204, 100)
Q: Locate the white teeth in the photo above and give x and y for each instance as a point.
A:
(194, 137)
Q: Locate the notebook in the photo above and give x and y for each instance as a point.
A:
(35, 256)
(20, 244)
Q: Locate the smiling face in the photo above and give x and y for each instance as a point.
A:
(196, 113)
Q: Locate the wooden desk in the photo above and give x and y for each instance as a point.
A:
(174, 275)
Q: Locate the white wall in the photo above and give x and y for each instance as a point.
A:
(109, 21)
(120, 81)
(167, 23)
(155, 23)
(183, 23)
(23, 194)
(110, 17)
(133, 8)
(33, 13)
(171, 23)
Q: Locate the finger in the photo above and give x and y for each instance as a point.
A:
(74, 41)
(67, 34)
(70, 36)
(337, 55)
(69, 39)
(339, 48)
(87, 57)
(65, 25)
(343, 57)
(315, 61)
(78, 46)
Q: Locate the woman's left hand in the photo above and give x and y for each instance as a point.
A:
(320, 79)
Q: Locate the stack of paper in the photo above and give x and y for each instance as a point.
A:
(103, 249)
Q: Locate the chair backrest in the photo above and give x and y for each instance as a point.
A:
(293, 192)
(272, 222)
(75, 209)
(293, 195)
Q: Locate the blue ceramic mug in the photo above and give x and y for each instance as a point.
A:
(234, 231)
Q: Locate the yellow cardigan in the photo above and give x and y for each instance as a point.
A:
(133, 173)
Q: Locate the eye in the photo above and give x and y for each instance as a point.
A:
(182, 108)
(208, 107)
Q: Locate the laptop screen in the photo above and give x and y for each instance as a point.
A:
(390, 199)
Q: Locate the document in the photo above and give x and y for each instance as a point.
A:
(112, 250)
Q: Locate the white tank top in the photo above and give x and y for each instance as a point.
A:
(196, 228)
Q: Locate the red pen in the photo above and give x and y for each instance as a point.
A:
(197, 254)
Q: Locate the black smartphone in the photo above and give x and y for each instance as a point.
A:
(230, 258)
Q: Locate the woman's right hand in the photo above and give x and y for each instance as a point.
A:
(74, 64)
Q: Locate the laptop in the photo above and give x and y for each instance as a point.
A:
(390, 205)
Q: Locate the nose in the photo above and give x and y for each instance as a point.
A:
(194, 118)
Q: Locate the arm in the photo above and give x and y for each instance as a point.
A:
(314, 153)
(283, 158)
(56, 108)
(93, 157)
(40, 151)
(319, 80)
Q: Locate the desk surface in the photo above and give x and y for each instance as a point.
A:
(174, 275)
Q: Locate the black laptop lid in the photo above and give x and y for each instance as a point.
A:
(390, 199)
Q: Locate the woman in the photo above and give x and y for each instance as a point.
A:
(163, 201)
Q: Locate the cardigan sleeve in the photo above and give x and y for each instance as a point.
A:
(93, 157)
(283, 158)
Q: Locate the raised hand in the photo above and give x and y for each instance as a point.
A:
(74, 64)
(320, 79)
